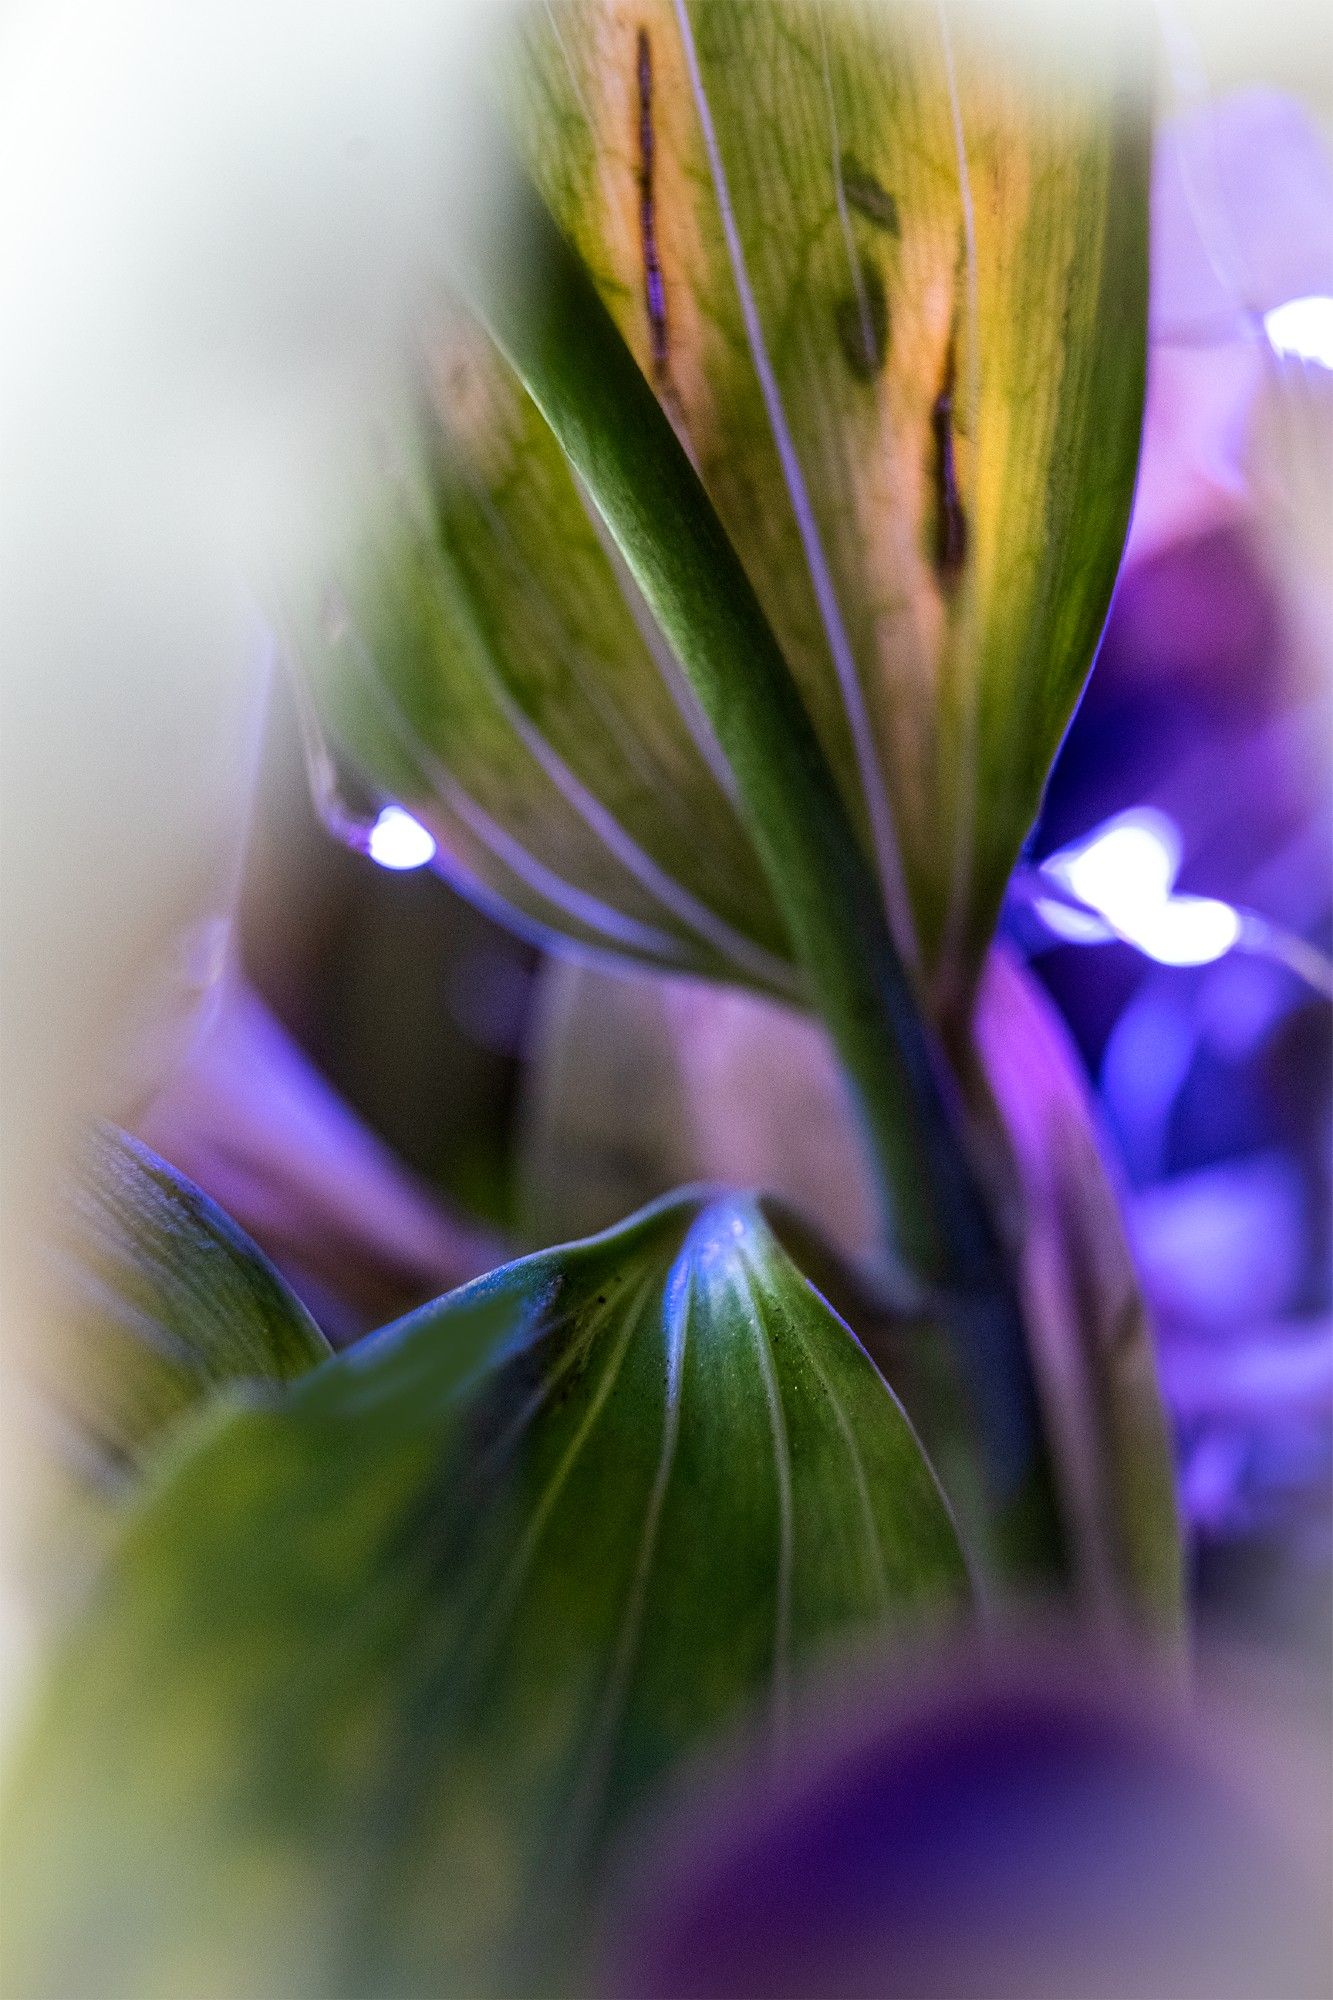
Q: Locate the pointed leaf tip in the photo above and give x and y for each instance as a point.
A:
(164, 1300)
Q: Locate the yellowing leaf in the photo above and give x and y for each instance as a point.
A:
(889, 284)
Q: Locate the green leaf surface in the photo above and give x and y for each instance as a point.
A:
(635, 1084)
(615, 112)
(888, 273)
(164, 1302)
(380, 1673)
(485, 657)
(933, 1206)
(888, 281)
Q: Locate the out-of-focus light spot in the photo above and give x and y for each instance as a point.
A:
(1124, 874)
(398, 841)
(1125, 868)
(1304, 328)
(1187, 930)
(1146, 1063)
(1074, 926)
(1222, 1245)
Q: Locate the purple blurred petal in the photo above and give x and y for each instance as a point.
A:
(1242, 214)
(1041, 1828)
(1225, 1244)
(1242, 221)
(251, 1120)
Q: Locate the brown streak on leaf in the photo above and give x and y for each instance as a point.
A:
(654, 289)
(950, 521)
(868, 196)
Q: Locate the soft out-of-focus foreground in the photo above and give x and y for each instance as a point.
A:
(392, 1094)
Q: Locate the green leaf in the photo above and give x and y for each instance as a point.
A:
(1023, 394)
(380, 1673)
(932, 1202)
(634, 1084)
(485, 656)
(164, 1301)
(909, 371)
(882, 580)
(888, 274)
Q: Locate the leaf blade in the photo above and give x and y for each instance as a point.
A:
(167, 1301)
(729, 1085)
(416, 1643)
(991, 261)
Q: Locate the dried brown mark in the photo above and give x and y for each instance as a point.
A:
(950, 521)
(862, 320)
(868, 196)
(654, 290)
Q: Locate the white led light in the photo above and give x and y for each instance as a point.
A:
(1303, 328)
(1124, 873)
(1127, 867)
(398, 841)
(1186, 930)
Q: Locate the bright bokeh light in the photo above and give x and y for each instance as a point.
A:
(1128, 866)
(1303, 328)
(398, 841)
(1123, 875)
(1186, 930)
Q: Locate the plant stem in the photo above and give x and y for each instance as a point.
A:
(547, 317)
